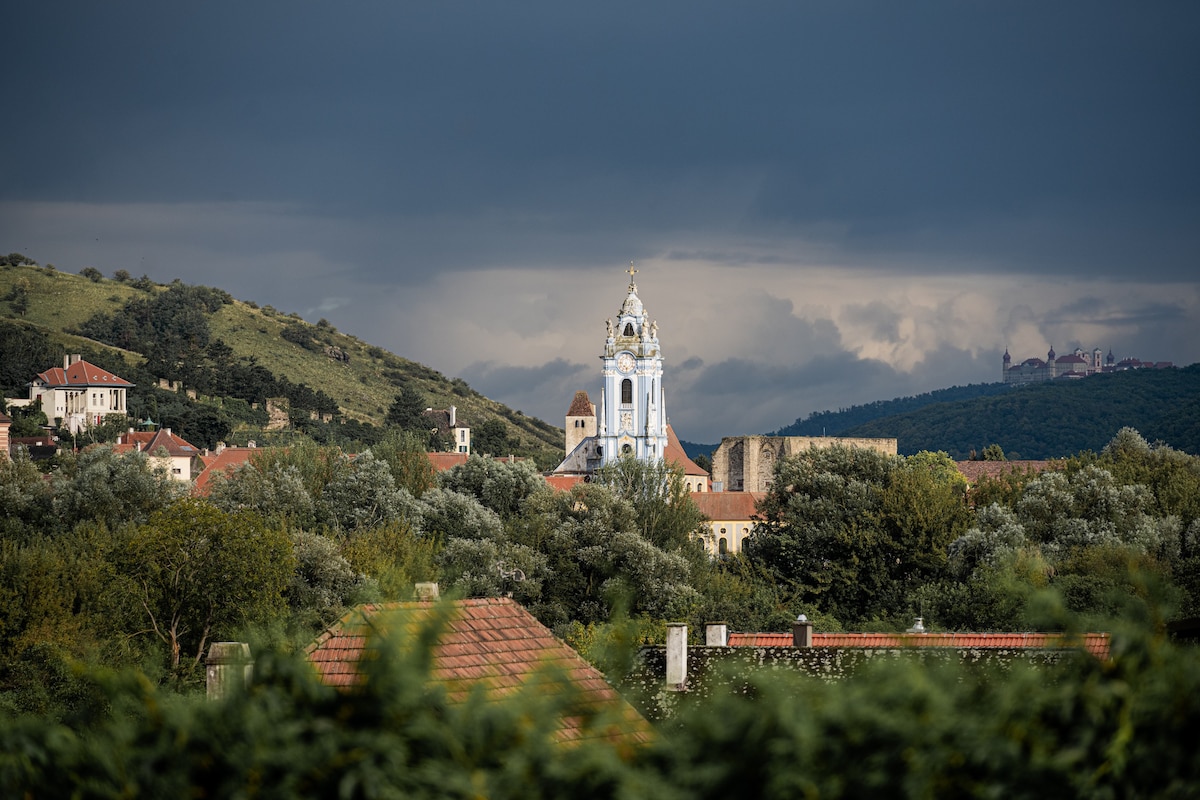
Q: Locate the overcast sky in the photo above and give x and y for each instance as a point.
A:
(829, 203)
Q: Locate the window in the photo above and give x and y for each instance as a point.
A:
(628, 329)
(626, 449)
(723, 546)
(627, 392)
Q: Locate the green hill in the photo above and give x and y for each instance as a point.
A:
(231, 354)
(1055, 419)
(835, 423)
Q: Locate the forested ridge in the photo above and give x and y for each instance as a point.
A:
(224, 358)
(1057, 418)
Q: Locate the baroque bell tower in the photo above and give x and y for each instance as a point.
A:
(633, 415)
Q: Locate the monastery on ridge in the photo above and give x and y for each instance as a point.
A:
(1075, 365)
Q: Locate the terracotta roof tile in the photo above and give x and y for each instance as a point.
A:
(493, 642)
(974, 470)
(727, 505)
(222, 464)
(1095, 643)
(676, 455)
(581, 406)
(81, 373)
(444, 461)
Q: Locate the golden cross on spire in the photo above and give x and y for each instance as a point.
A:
(632, 272)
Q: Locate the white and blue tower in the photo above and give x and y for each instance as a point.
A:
(632, 415)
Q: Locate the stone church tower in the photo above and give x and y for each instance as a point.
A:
(633, 415)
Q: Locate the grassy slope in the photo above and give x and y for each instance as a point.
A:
(364, 387)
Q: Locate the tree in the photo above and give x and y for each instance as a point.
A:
(501, 486)
(122, 276)
(198, 571)
(490, 438)
(993, 452)
(855, 531)
(663, 508)
(407, 411)
(114, 489)
(404, 453)
(92, 274)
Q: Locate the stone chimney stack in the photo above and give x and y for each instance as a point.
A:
(716, 634)
(802, 631)
(676, 656)
(427, 591)
(228, 668)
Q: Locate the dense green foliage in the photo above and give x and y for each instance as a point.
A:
(1080, 728)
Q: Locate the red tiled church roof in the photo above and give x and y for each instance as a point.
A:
(727, 505)
(675, 454)
(490, 641)
(1094, 643)
(581, 406)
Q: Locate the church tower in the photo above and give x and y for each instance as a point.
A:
(633, 415)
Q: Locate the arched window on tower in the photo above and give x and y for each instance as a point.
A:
(627, 392)
(628, 330)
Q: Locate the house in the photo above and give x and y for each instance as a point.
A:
(490, 642)
(731, 518)
(78, 394)
(445, 422)
(179, 457)
(5, 424)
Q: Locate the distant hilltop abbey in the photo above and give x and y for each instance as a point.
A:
(1075, 365)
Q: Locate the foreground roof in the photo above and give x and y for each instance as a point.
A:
(719, 506)
(1094, 643)
(493, 642)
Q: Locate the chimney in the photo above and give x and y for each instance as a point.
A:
(802, 632)
(716, 634)
(453, 415)
(228, 668)
(427, 592)
(676, 656)
(66, 362)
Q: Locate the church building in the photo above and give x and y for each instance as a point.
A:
(631, 420)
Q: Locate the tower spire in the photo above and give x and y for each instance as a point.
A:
(632, 272)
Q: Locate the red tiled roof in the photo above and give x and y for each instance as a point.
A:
(81, 373)
(564, 483)
(444, 461)
(1094, 643)
(490, 641)
(221, 464)
(581, 406)
(727, 505)
(150, 441)
(974, 470)
(675, 455)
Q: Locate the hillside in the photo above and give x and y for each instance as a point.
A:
(834, 423)
(1055, 419)
(209, 336)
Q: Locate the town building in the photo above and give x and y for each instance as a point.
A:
(444, 422)
(77, 395)
(180, 458)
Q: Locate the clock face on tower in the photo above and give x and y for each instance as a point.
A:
(625, 362)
